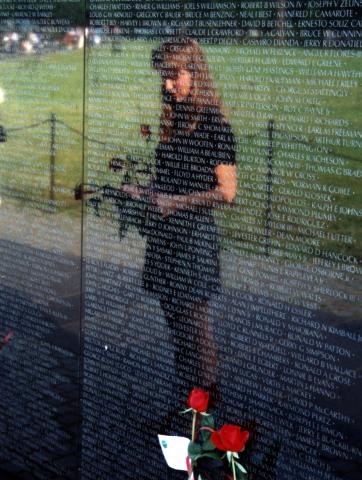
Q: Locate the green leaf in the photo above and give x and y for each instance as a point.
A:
(241, 476)
(204, 414)
(207, 421)
(194, 447)
(208, 445)
(229, 455)
(215, 456)
(205, 436)
(194, 450)
(235, 455)
(241, 473)
(186, 411)
(240, 467)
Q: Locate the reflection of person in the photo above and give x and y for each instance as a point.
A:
(195, 171)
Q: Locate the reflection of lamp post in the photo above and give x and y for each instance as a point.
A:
(2, 134)
(2, 129)
(281, 11)
(146, 133)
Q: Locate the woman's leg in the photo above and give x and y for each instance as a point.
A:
(202, 346)
(172, 314)
(195, 348)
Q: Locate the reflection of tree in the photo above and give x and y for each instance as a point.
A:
(287, 13)
(74, 12)
(281, 10)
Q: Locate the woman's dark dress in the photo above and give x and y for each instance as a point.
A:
(182, 253)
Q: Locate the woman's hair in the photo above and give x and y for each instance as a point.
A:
(185, 54)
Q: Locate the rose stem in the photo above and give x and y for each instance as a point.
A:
(233, 466)
(194, 414)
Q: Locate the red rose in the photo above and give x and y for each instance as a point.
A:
(145, 131)
(230, 438)
(6, 339)
(198, 400)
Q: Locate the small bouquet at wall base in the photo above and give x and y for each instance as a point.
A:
(212, 454)
(6, 339)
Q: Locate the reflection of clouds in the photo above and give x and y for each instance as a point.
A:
(2, 95)
(27, 46)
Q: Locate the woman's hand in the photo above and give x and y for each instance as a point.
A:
(165, 203)
(226, 182)
(224, 193)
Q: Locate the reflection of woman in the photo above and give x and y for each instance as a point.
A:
(195, 171)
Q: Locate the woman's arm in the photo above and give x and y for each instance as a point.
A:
(224, 192)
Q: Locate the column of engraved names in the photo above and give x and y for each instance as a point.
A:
(121, 348)
(39, 370)
(308, 209)
(300, 207)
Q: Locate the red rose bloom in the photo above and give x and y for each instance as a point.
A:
(198, 400)
(6, 339)
(146, 131)
(230, 438)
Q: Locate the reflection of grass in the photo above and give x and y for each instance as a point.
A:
(123, 92)
(35, 87)
(303, 120)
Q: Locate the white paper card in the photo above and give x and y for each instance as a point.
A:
(174, 450)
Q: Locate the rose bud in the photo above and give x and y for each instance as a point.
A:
(6, 339)
(198, 400)
(145, 131)
(78, 192)
(230, 438)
